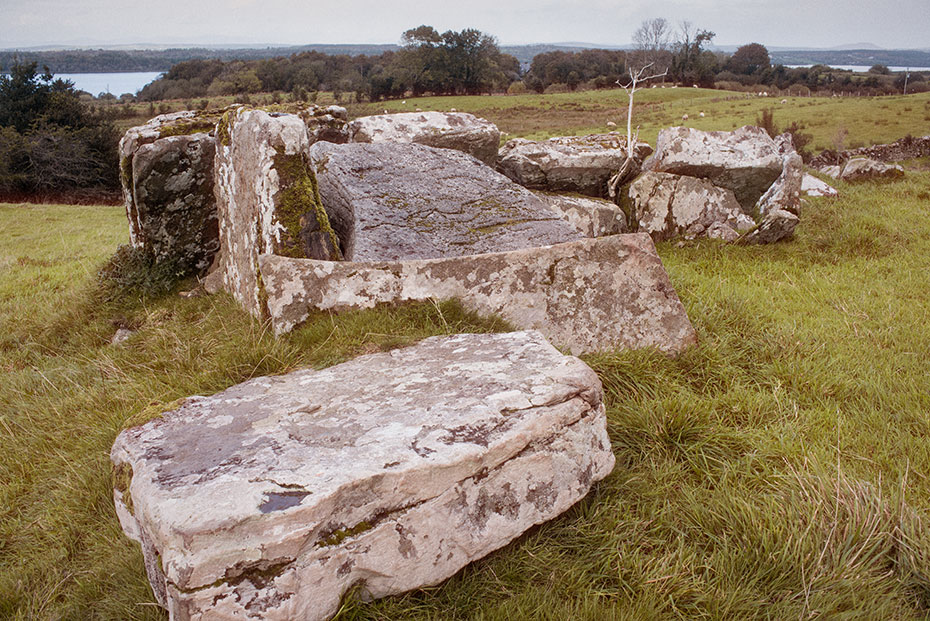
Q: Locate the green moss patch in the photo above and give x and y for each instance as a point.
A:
(299, 205)
(337, 537)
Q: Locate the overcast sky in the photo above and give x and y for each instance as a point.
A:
(803, 23)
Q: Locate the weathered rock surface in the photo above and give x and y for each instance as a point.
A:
(267, 199)
(785, 193)
(411, 201)
(745, 161)
(450, 130)
(589, 295)
(812, 186)
(392, 471)
(831, 171)
(328, 123)
(775, 225)
(581, 164)
(864, 169)
(668, 206)
(594, 217)
(166, 171)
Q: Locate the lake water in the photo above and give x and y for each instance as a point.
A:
(862, 68)
(115, 83)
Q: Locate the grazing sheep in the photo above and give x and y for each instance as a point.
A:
(611, 124)
(784, 101)
(684, 117)
(419, 109)
(701, 115)
(452, 110)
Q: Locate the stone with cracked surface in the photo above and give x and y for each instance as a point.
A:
(668, 206)
(594, 217)
(262, 163)
(582, 164)
(449, 130)
(745, 161)
(167, 182)
(589, 295)
(411, 201)
(392, 471)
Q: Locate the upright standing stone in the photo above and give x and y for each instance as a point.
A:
(389, 472)
(166, 171)
(267, 199)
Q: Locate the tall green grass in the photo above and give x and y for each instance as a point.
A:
(778, 469)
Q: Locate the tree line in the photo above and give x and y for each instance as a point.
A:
(51, 142)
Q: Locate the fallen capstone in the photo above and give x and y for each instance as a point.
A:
(589, 295)
(865, 169)
(667, 206)
(594, 217)
(406, 201)
(582, 164)
(166, 173)
(267, 199)
(449, 130)
(745, 161)
(390, 472)
(812, 186)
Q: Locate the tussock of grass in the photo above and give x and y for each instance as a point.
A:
(776, 470)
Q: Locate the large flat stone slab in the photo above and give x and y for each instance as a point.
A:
(589, 295)
(448, 130)
(410, 201)
(392, 471)
(582, 164)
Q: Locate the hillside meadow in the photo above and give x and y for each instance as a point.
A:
(778, 469)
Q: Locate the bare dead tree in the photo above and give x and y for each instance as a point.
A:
(652, 40)
(627, 169)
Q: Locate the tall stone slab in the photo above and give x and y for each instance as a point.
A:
(166, 172)
(589, 295)
(389, 472)
(267, 199)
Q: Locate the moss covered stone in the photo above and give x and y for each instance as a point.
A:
(308, 232)
(122, 478)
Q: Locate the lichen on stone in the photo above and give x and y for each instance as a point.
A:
(195, 126)
(298, 199)
(122, 478)
(338, 536)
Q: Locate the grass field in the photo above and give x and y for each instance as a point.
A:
(780, 469)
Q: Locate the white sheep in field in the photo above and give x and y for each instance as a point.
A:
(784, 101)
(701, 115)
(684, 117)
(611, 124)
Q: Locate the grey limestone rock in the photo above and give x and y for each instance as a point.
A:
(594, 217)
(390, 472)
(582, 164)
(745, 161)
(589, 295)
(411, 201)
(166, 171)
(668, 206)
(267, 199)
(450, 130)
(812, 186)
(865, 169)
